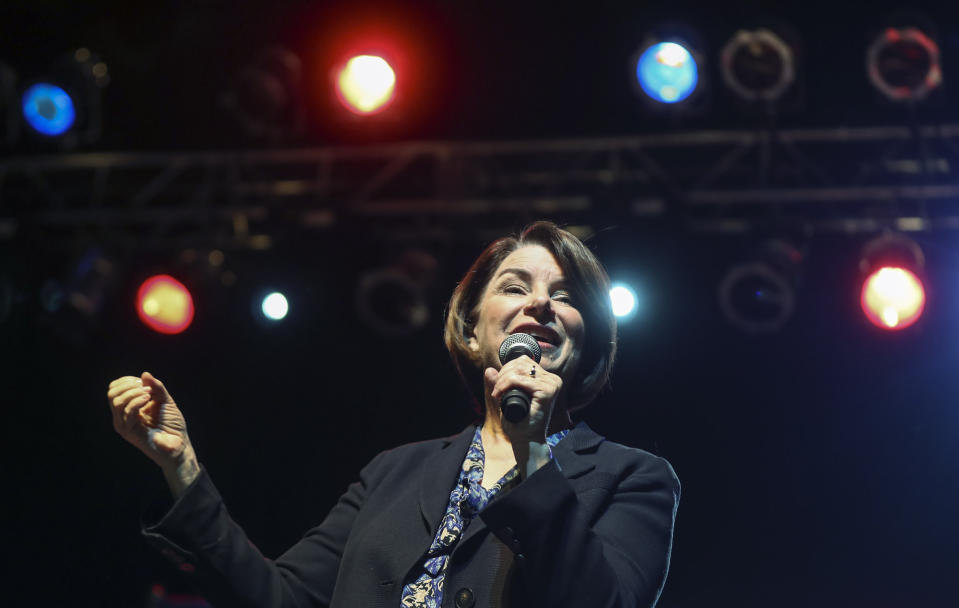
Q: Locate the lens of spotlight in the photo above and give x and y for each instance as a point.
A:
(903, 64)
(275, 306)
(756, 298)
(391, 302)
(265, 96)
(165, 304)
(623, 300)
(667, 72)
(893, 298)
(48, 109)
(366, 84)
(757, 65)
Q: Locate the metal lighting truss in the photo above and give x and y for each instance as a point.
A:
(851, 180)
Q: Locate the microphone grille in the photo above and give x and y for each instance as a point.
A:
(518, 345)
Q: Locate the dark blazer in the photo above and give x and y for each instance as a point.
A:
(593, 528)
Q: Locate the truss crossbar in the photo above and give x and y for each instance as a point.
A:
(831, 179)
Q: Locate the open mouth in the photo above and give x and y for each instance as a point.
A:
(545, 336)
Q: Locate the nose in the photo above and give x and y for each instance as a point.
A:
(538, 304)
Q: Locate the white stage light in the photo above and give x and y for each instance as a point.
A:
(275, 306)
(623, 299)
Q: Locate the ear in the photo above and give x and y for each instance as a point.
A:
(469, 334)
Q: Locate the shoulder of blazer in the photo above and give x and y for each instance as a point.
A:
(615, 458)
(414, 453)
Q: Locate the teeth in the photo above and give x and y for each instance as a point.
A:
(541, 338)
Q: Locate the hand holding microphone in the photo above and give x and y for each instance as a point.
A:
(527, 394)
(515, 403)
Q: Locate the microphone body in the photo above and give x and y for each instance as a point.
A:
(515, 403)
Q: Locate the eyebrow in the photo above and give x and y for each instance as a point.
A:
(525, 275)
(517, 271)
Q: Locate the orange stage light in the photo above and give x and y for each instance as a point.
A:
(165, 304)
(893, 298)
(365, 84)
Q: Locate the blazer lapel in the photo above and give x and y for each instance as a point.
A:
(568, 452)
(581, 439)
(439, 475)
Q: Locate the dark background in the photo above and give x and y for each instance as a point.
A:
(818, 464)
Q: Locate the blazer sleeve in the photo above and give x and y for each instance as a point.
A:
(565, 557)
(198, 535)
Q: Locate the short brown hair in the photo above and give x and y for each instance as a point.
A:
(589, 287)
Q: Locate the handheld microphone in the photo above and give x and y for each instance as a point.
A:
(515, 403)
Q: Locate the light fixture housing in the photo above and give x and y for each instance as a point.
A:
(758, 296)
(668, 71)
(63, 107)
(903, 63)
(892, 295)
(265, 96)
(392, 300)
(758, 65)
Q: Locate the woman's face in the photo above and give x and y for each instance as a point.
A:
(528, 294)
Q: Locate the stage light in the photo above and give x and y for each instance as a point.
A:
(893, 298)
(623, 300)
(366, 84)
(758, 296)
(48, 109)
(393, 300)
(275, 306)
(757, 65)
(903, 64)
(667, 72)
(892, 295)
(391, 303)
(165, 304)
(265, 96)
(64, 107)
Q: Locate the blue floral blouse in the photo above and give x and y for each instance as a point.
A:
(467, 499)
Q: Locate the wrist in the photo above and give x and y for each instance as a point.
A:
(182, 471)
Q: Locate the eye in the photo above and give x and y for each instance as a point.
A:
(563, 296)
(514, 288)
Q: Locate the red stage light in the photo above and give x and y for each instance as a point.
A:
(165, 304)
(893, 298)
(365, 84)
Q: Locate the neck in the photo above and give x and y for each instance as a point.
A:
(494, 435)
(528, 452)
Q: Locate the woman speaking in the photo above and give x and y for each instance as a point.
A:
(525, 510)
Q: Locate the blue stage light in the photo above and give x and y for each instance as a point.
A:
(48, 109)
(667, 72)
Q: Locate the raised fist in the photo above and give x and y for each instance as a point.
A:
(145, 414)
